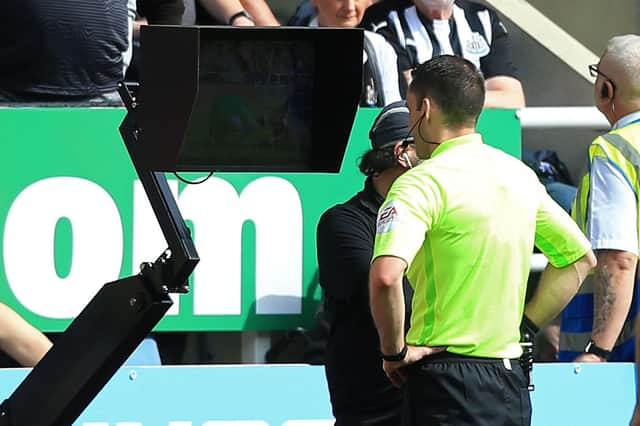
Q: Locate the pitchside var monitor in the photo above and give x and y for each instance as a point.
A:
(247, 99)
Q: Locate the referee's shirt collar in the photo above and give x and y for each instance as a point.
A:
(472, 138)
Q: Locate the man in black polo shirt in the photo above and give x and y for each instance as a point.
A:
(422, 29)
(360, 392)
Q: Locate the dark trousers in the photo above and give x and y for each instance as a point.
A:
(453, 390)
(376, 406)
(381, 417)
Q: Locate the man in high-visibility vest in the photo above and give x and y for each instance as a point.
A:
(598, 323)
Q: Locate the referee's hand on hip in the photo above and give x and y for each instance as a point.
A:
(414, 354)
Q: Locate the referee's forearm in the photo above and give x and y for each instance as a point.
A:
(387, 307)
(556, 288)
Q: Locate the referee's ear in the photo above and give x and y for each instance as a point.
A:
(425, 105)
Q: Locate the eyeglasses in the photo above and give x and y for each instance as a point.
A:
(594, 71)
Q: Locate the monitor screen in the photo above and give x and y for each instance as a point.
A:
(254, 104)
(247, 99)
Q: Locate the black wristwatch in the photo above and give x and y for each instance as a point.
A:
(592, 348)
(235, 16)
(396, 357)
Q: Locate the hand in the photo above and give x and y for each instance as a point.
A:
(414, 354)
(242, 21)
(635, 421)
(589, 357)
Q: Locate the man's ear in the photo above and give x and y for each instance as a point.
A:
(402, 156)
(425, 106)
(606, 91)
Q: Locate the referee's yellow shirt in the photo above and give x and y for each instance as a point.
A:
(465, 221)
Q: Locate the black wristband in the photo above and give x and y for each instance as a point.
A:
(592, 348)
(237, 15)
(396, 357)
(528, 326)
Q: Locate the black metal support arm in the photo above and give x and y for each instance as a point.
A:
(101, 338)
(182, 255)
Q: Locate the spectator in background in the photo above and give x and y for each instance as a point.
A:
(229, 12)
(26, 345)
(598, 324)
(380, 75)
(303, 15)
(360, 392)
(21, 340)
(422, 29)
(204, 12)
(70, 51)
(154, 12)
(157, 12)
(305, 11)
(161, 12)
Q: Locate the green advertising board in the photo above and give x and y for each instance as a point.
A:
(74, 217)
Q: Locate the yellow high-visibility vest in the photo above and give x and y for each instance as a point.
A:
(621, 147)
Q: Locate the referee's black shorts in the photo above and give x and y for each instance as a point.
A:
(453, 390)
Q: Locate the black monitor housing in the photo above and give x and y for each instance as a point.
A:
(258, 99)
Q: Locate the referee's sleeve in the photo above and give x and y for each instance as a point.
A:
(409, 212)
(557, 235)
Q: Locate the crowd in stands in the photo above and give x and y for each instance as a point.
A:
(76, 52)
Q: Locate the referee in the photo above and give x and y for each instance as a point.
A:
(462, 225)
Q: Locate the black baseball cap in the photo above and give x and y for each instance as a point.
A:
(390, 126)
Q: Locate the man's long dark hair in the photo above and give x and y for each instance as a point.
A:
(454, 84)
(378, 160)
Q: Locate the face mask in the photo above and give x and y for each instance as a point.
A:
(436, 4)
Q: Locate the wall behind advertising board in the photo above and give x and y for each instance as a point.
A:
(74, 217)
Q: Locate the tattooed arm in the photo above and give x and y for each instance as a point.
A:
(613, 290)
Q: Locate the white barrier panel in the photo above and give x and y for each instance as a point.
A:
(562, 117)
(296, 395)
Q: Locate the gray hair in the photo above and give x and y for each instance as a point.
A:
(624, 54)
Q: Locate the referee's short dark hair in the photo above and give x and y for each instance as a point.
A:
(454, 84)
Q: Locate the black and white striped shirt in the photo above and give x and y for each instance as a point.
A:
(62, 48)
(474, 32)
